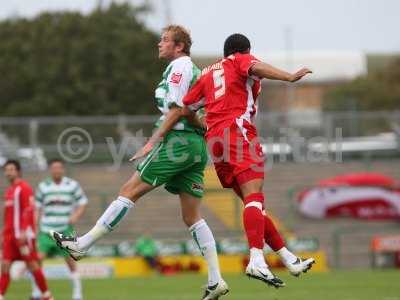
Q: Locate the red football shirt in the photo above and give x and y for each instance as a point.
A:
(227, 92)
(19, 210)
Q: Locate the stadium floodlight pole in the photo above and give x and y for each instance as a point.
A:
(99, 4)
(290, 88)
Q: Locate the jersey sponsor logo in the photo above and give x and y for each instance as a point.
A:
(176, 78)
(58, 202)
(197, 187)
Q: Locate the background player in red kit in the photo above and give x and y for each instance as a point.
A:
(19, 230)
(228, 90)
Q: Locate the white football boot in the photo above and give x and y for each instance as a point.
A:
(69, 244)
(263, 274)
(216, 291)
(300, 266)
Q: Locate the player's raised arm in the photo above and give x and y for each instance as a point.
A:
(264, 70)
(194, 100)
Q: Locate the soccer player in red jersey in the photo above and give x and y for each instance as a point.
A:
(19, 230)
(228, 91)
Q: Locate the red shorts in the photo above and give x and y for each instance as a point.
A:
(12, 250)
(237, 154)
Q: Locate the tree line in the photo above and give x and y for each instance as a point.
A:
(67, 63)
(378, 90)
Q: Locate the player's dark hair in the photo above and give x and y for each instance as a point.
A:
(236, 42)
(13, 162)
(56, 160)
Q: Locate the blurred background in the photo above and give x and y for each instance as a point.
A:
(332, 140)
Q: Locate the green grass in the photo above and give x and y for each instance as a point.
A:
(354, 285)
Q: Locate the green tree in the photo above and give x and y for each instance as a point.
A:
(68, 63)
(379, 90)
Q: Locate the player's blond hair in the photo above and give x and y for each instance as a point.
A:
(180, 35)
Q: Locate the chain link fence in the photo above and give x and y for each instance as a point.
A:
(106, 136)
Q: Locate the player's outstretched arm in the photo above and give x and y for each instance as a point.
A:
(194, 119)
(264, 70)
(171, 118)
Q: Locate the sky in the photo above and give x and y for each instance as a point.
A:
(308, 25)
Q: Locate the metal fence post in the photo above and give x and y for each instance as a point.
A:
(336, 248)
(328, 132)
(33, 133)
(121, 124)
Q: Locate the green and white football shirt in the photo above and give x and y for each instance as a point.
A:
(58, 202)
(176, 81)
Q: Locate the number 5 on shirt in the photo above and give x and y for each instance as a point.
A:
(219, 83)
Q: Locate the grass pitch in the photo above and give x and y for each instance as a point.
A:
(343, 285)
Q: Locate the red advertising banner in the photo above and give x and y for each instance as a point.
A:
(368, 196)
(389, 243)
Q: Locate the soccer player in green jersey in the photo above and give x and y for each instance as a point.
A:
(61, 202)
(177, 162)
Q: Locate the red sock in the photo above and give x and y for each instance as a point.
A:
(4, 282)
(40, 280)
(271, 234)
(253, 220)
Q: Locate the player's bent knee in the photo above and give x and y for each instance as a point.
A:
(135, 188)
(128, 190)
(190, 220)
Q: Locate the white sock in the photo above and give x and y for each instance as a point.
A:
(204, 239)
(286, 256)
(106, 223)
(257, 257)
(76, 285)
(36, 293)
